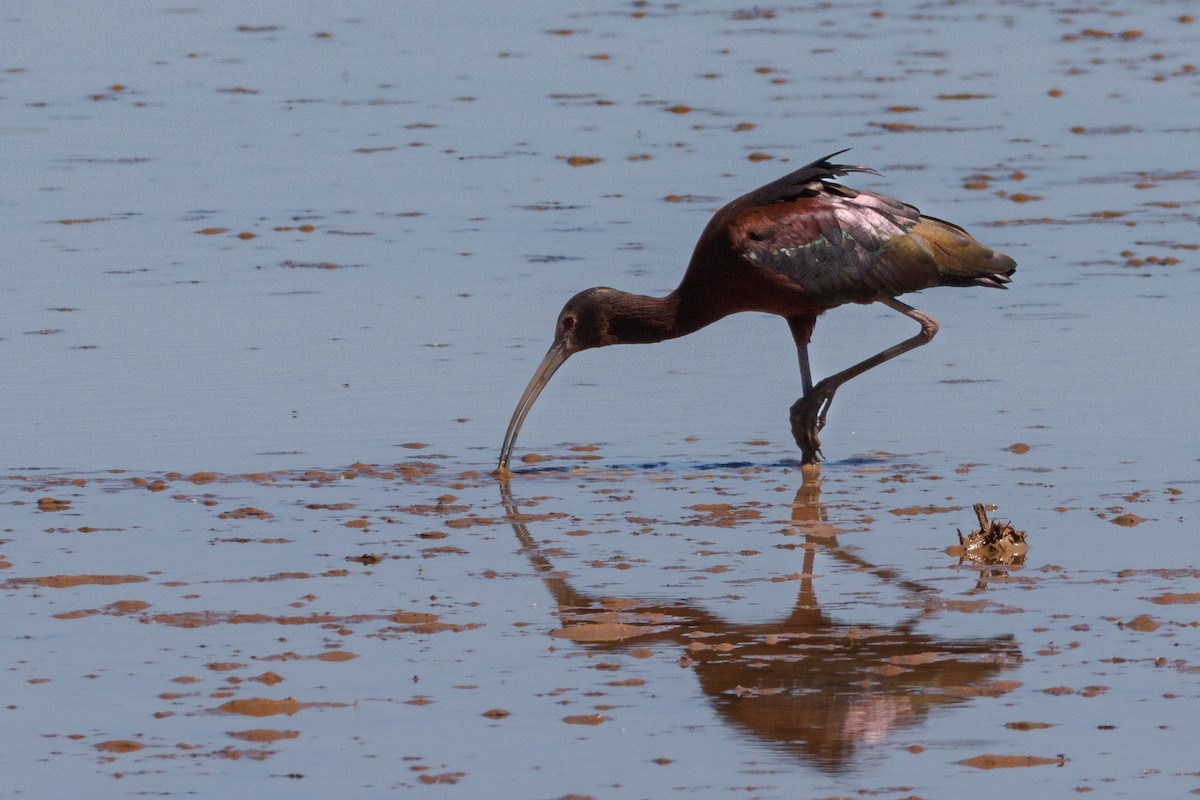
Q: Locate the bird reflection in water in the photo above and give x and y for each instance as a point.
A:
(806, 683)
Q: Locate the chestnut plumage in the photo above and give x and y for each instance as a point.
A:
(795, 247)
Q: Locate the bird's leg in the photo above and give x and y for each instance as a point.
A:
(808, 413)
(805, 435)
(802, 328)
(805, 369)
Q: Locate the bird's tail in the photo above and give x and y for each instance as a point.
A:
(961, 260)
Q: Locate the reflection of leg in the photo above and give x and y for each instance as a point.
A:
(809, 412)
(811, 517)
(808, 519)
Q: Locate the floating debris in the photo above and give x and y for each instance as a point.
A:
(994, 543)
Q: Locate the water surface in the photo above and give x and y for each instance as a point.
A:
(274, 278)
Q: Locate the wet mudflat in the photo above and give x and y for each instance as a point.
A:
(273, 282)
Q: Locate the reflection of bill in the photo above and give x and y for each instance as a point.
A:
(805, 683)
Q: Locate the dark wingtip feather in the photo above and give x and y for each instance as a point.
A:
(834, 170)
(794, 182)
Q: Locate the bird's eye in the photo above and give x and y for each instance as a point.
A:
(566, 325)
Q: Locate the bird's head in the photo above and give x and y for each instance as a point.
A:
(585, 322)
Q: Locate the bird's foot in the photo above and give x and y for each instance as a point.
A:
(808, 418)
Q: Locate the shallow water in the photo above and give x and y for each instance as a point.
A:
(248, 256)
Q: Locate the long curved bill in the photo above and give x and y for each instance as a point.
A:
(554, 359)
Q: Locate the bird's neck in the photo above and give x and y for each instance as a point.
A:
(639, 319)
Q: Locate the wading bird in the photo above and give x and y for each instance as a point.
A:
(796, 247)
